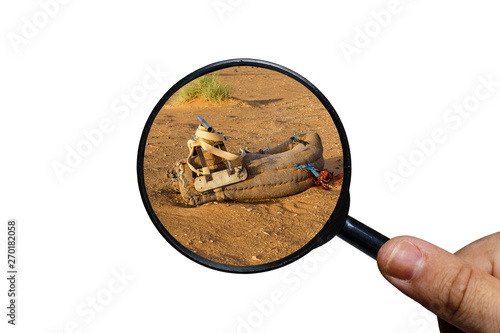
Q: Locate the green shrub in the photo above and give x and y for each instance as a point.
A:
(208, 87)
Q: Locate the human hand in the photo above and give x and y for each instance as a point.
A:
(463, 290)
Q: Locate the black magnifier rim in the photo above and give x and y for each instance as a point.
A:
(331, 227)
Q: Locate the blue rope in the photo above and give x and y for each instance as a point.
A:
(268, 149)
(294, 140)
(297, 140)
(308, 167)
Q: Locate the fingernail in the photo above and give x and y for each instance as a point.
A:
(403, 261)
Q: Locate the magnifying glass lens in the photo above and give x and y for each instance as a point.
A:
(242, 166)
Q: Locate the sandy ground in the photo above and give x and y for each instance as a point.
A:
(265, 109)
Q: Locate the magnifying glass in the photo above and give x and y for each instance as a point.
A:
(244, 166)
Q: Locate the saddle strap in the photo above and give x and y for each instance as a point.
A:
(207, 141)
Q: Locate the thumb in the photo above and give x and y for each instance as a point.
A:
(456, 291)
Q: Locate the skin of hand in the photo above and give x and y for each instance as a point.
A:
(462, 289)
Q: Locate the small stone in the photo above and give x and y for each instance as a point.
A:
(280, 212)
(255, 258)
(200, 242)
(249, 209)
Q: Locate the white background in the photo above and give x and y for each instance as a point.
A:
(75, 233)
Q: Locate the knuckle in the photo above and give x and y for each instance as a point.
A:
(458, 290)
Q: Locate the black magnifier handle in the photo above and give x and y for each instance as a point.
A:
(362, 237)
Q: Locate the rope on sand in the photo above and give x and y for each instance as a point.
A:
(322, 177)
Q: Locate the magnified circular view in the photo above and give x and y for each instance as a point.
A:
(243, 166)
